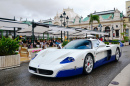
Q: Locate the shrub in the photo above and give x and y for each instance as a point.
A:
(126, 39)
(65, 42)
(115, 41)
(106, 43)
(123, 41)
(8, 46)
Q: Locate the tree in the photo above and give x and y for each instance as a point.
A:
(123, 33)
(125, 38)
(93, 18)
(124, 25)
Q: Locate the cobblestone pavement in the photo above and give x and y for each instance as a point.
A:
(100, 76)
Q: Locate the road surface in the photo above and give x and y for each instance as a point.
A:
(100, 76)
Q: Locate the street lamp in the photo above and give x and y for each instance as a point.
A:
(67, 18)
(14, 30)
(64, 23)
(112, 31)
(100, 28)
(61, 19)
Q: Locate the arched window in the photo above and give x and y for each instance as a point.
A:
(95, 29)
(107, 30)
(85, 28)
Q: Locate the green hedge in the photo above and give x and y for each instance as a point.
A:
(115, 41)
(8, 46)
(106, 43)
(123, 41)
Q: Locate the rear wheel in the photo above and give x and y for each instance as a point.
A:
(117, 55)
(88, 64)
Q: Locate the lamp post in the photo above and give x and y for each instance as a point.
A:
(100, 28)
(14, 30)
(61, 19)
(64, 23)
(67, 18)
(33, 26)
(112, 31)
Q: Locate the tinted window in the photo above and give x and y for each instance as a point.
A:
(95, 43)
(79, 44)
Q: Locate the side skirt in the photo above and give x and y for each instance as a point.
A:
(104, 61)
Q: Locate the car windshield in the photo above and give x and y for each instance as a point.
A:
(79, 44)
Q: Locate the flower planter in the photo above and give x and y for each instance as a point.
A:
(126, 43)
(34, 52)
(9, 61)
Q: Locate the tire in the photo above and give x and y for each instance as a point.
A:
(117, 55)
(88, 64)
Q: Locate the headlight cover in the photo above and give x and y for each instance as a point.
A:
(67, 60)
(34, 56)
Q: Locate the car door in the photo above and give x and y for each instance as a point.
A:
(99, 51)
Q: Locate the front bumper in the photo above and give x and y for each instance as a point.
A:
(53, 70)
(44, 70)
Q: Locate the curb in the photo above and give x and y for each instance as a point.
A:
(123, 78)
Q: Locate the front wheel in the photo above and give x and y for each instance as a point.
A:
(117, 55)
(88, 64)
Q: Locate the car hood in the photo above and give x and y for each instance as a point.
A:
(55, 56)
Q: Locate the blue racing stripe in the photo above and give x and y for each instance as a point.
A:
(104, 61)
(70, 72)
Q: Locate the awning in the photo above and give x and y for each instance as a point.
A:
(16, 24)
(5, 28)
(37, 29)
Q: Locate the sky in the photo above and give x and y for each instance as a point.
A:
(46, 9)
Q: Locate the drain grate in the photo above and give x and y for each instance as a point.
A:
(115, 83)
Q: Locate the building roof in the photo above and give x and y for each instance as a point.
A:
(85, 19)
(104, 12)
(27, 22)
(47, 22)
(107, 16)
(121, 15)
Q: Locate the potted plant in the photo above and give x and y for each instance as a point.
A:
(126, 39)
(34, 52)
(8, 55)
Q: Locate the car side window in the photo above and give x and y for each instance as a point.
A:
(95, 43)
(84, 45)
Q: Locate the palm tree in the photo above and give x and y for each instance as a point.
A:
(124, 25)
(123, 33)
(93, 18)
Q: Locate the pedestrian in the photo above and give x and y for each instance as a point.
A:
(51, 44)
(101, 39)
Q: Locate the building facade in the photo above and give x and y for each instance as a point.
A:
(127, 19)
(111, 22)
(128, 8)
(70, 13)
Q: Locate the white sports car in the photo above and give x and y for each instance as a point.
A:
(77, 57)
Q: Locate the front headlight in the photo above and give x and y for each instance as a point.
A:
(34, 56)
(67, 60)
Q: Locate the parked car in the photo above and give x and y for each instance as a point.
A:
(77, 57)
